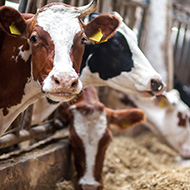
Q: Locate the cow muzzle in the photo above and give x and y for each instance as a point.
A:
(155, 87)
(62, 89)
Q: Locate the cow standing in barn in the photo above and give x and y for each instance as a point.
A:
(167, 116)
(41, 56)
(90, 135)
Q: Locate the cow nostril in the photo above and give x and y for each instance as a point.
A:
(57, 82)
(156, 85)
(74, 83)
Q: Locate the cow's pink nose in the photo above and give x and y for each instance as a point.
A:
(157, 86)
(65, 83)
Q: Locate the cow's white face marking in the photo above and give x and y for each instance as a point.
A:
(62, 27)
(88, 127)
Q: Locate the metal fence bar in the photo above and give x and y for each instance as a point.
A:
(43, 2)
(176, 42)
(183, 44)
(24, 135)
(31, 6)
(181, 22)
(67, 1)
(22, 6)
(2, 2)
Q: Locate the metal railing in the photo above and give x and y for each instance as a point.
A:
(181, 42)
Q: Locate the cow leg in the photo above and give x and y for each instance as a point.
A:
(102, 147)
(78, 153)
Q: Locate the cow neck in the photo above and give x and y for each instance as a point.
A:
(15, 71)
(88, 79)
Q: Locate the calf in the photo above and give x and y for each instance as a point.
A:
(41, 56)
(90, 135)
(167, 116)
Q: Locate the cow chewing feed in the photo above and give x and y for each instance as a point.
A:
(41, 56)
(90, 135)
(167, 116)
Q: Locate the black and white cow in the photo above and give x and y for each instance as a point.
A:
(118, 63)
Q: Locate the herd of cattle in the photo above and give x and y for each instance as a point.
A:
(50, 57)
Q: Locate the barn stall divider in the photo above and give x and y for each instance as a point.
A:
(181, 42)
(36, 157)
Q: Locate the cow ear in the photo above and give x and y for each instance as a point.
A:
(125, 118)
(101, 28)
(12, 21)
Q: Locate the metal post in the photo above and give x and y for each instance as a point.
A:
(22, 6)
(2, 2)
(43, 2)
(31, 7)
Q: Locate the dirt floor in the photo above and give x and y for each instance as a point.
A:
(141, 162)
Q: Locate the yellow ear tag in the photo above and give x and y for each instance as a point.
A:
(98, 36)
(14, 30)
(125, 125)
(162, 104)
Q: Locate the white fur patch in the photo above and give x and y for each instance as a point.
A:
(90, 129)
(62, 26)
(25, 54)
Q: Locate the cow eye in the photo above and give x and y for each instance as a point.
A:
(33, 38)
(84, 41)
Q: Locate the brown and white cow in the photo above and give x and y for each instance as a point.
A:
(90, 135)
(41, 56)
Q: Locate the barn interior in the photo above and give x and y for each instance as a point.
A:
(40, 157)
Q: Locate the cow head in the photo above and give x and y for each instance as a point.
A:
(56, 37)
(167, 117)
(176, 127)
(120, 64)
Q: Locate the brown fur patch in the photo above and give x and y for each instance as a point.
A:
(77, 51)
(13, 74)
(182, 121)
(42, 54)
